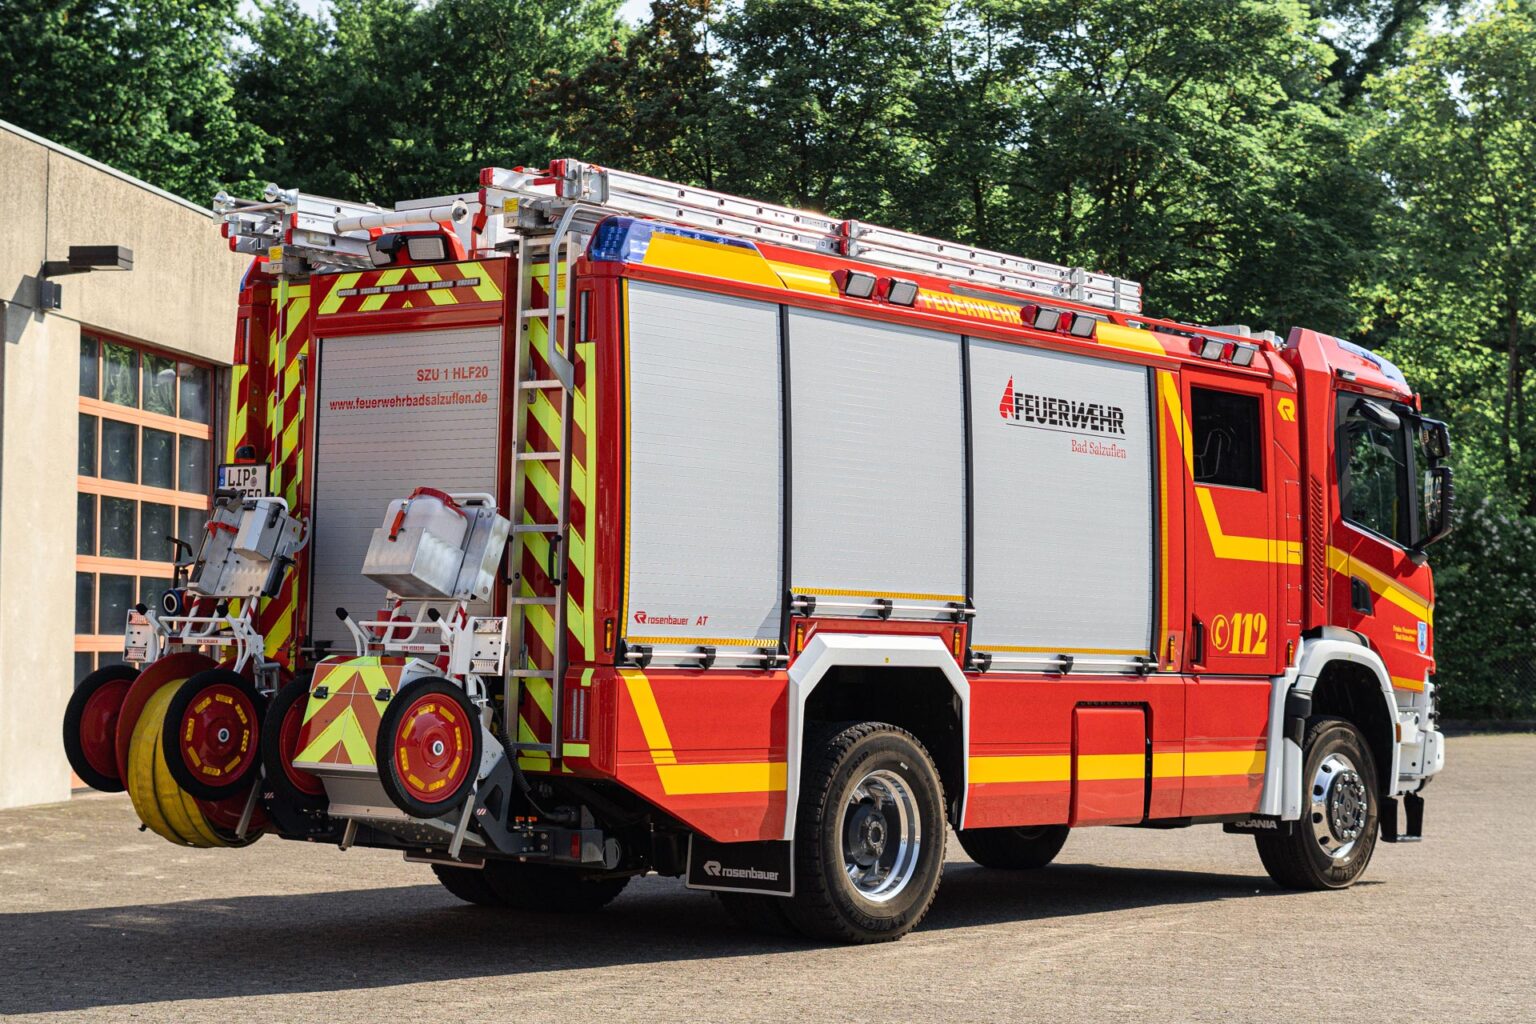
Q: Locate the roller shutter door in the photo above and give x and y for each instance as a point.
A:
(1063, 503)
(878, 460)
(705, 480)
(396, 412)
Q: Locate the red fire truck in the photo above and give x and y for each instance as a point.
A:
(816, 539)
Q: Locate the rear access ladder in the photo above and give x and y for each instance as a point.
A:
(541, 470)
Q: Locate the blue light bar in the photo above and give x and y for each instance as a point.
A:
(1388, 369)
(625, 239)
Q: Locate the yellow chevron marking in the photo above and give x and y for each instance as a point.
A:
(1383, 585)
(544, 484)
(333, 300)
(539, 618)
(531, 760)
(437, 296)
(546, 415)
(293, 318)
(376, 301)
(281, 630)
(543, 695)
(486, 290)
(345, 730)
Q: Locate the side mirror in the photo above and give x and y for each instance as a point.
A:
(1435, 436)
(1439, 504)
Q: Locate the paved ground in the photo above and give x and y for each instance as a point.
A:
(100, 922)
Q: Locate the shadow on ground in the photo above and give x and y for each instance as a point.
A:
(367, 938)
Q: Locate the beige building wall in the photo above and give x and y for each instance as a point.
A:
(180, 296)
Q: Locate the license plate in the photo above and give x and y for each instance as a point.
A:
(246, 480)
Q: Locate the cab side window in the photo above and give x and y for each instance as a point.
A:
(1374, 474)
(1224, 433)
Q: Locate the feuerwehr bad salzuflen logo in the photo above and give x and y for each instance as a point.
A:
(1021, 408)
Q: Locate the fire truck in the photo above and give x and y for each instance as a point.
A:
(584, 525)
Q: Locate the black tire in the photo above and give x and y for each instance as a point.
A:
(827, 904)
(1301, 859)
(548, 889)
(470, 740)
(1013, 849)
(758, 913)
(199, 785)
(468, 884)
(74, 722)
(274, 758)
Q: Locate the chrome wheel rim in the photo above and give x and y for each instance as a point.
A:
(882, 836)
(1340, 806)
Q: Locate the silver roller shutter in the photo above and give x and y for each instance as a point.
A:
(705, 479)
(878, 463)
(382, 431)
(1063, 502)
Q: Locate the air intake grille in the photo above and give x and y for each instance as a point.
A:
(1317, 541)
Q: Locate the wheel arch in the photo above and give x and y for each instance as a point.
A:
(917, 678)
(1349, 680)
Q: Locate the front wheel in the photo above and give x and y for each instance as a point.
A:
(1331, 845)
(869, 835)
(1013, 849)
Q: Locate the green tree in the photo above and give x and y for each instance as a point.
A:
(652, 101)
(383, 99)
(137, 84)
(1458, 146)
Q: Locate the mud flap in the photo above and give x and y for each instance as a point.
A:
(766, 866)
(1413, 805)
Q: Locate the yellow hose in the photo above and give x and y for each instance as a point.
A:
(161, 804)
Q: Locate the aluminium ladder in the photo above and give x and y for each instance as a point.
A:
(541, 668)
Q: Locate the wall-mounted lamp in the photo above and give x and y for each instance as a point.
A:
(82, 260)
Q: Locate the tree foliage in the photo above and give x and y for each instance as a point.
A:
(1364, 167)
(140, 84)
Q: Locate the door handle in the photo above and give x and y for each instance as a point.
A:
(1360, 597)
(1196, 641)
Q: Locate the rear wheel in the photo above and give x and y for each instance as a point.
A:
(468, 884)
(869, 835)
(428, 749)
(1331, 845)
(1013, 849)
(280, 742)
(550, 889)
(212, 738)
(90, 726)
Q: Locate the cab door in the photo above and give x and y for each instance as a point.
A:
(1381, 589)
(1233, 538)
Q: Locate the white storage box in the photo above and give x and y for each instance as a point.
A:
(248, 546)
(434, 546)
